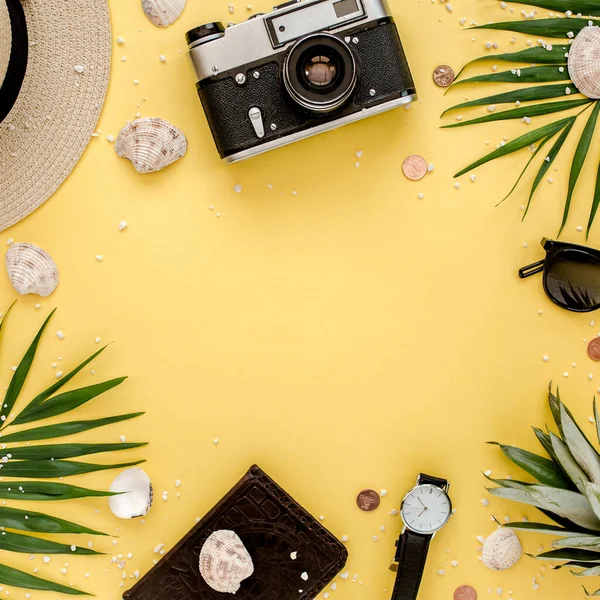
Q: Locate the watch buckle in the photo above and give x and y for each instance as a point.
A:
(394, 566)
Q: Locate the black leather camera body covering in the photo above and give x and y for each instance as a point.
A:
(383, 75)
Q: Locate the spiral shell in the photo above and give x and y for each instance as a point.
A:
(225, 562)
(501, 550)
(163, 12)
(150, 144)
(31, 270)
(584, 62)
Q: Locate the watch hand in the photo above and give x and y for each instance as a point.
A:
(423, 511)
(419, 499)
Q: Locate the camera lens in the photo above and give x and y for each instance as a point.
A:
(205, 33)
(319, 73)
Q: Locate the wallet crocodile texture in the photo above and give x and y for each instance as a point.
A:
(272, 525)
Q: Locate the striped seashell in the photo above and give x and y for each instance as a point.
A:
(31, 270)
(584, 62)
(225, 562)
(163, 12)
(501, 550)
(150, 144)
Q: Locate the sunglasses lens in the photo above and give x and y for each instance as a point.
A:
(573, 281)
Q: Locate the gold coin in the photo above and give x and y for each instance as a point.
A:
(443, 76)
(465, 592)
(594, 349)
(414, 167)
(368, 500)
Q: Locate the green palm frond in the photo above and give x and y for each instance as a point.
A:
(545, 64)
(48, 461)
(566, 489)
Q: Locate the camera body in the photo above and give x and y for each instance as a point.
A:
(307, 67)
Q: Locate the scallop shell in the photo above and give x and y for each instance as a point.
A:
(134, 497)
(150, 144)
(584, 62)
(31, 270)
(225, 562)
(163, 12)
(501, 550)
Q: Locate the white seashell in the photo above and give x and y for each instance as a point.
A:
(225, 562)
(584, 62)
(501, 550)
(137, 500)
(163, 12)
(150, 144)
(31, 270)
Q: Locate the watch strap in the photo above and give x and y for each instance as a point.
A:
(425, 479)
(411, 556)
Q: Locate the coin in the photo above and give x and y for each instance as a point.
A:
(414, 167)
(465, 592)
(594, 349)
(443, 76)
(368, 500)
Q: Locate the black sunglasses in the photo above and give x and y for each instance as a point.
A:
(571, 275)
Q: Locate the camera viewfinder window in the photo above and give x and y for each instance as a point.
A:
(345, 8)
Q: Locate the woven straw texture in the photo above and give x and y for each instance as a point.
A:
(46, 132)
(5, 40)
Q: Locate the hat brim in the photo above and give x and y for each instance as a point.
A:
(57, 110)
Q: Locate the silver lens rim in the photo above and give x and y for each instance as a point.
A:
(325, 106)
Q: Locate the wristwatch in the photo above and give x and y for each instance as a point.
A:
(425, 510)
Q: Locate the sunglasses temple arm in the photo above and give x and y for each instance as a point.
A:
(532, 269)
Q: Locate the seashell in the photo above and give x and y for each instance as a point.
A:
(137, 500)
(31, 270)
(501, 550)
(225, 562)
(584, 62)
(163, 12)
(150, 144)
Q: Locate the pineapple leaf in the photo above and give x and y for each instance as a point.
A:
(554, 402)
(592, 571)
(596, 416)
(583, 7)
(555, 28)
(581, 449)
(27, 520)
(518, 144)
(554, 151)
(579, 159)
(543, 469)
(544, 528)
(46, 490)
(584, 542)
(536, 110)
(592, 492)
(65, 402)
(596, 593)
(539, 92)
(593, 210)
(509, 483)
(545, 441)
(570, 466)
(545, 74)
(565, 503)
(20, 374)
(582, 556)
(63, 429)
(16, 578)
(60, 451)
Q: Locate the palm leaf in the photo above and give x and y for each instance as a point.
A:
(554, 28)
(46, 490)
(60, 451)
(548, 163)
(16, 578)
(6, 314)
(524, 111)
(27, 544)
(544, 74)
(63, 429)
(583, 7)
(518, 144)
(595, 204)
(579, 159)
(20, 374)
(48, 469)
(543, 469)
(66, 401)
(540, 92)
(27, 520)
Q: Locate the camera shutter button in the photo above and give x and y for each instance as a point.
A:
(257, 121)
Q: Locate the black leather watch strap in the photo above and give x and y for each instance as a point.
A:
(411, 556)
(431, 480)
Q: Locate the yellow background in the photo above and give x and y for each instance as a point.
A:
(345, 337)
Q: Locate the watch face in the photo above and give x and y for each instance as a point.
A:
(426, 508)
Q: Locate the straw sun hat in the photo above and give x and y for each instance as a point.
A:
(54, 67)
